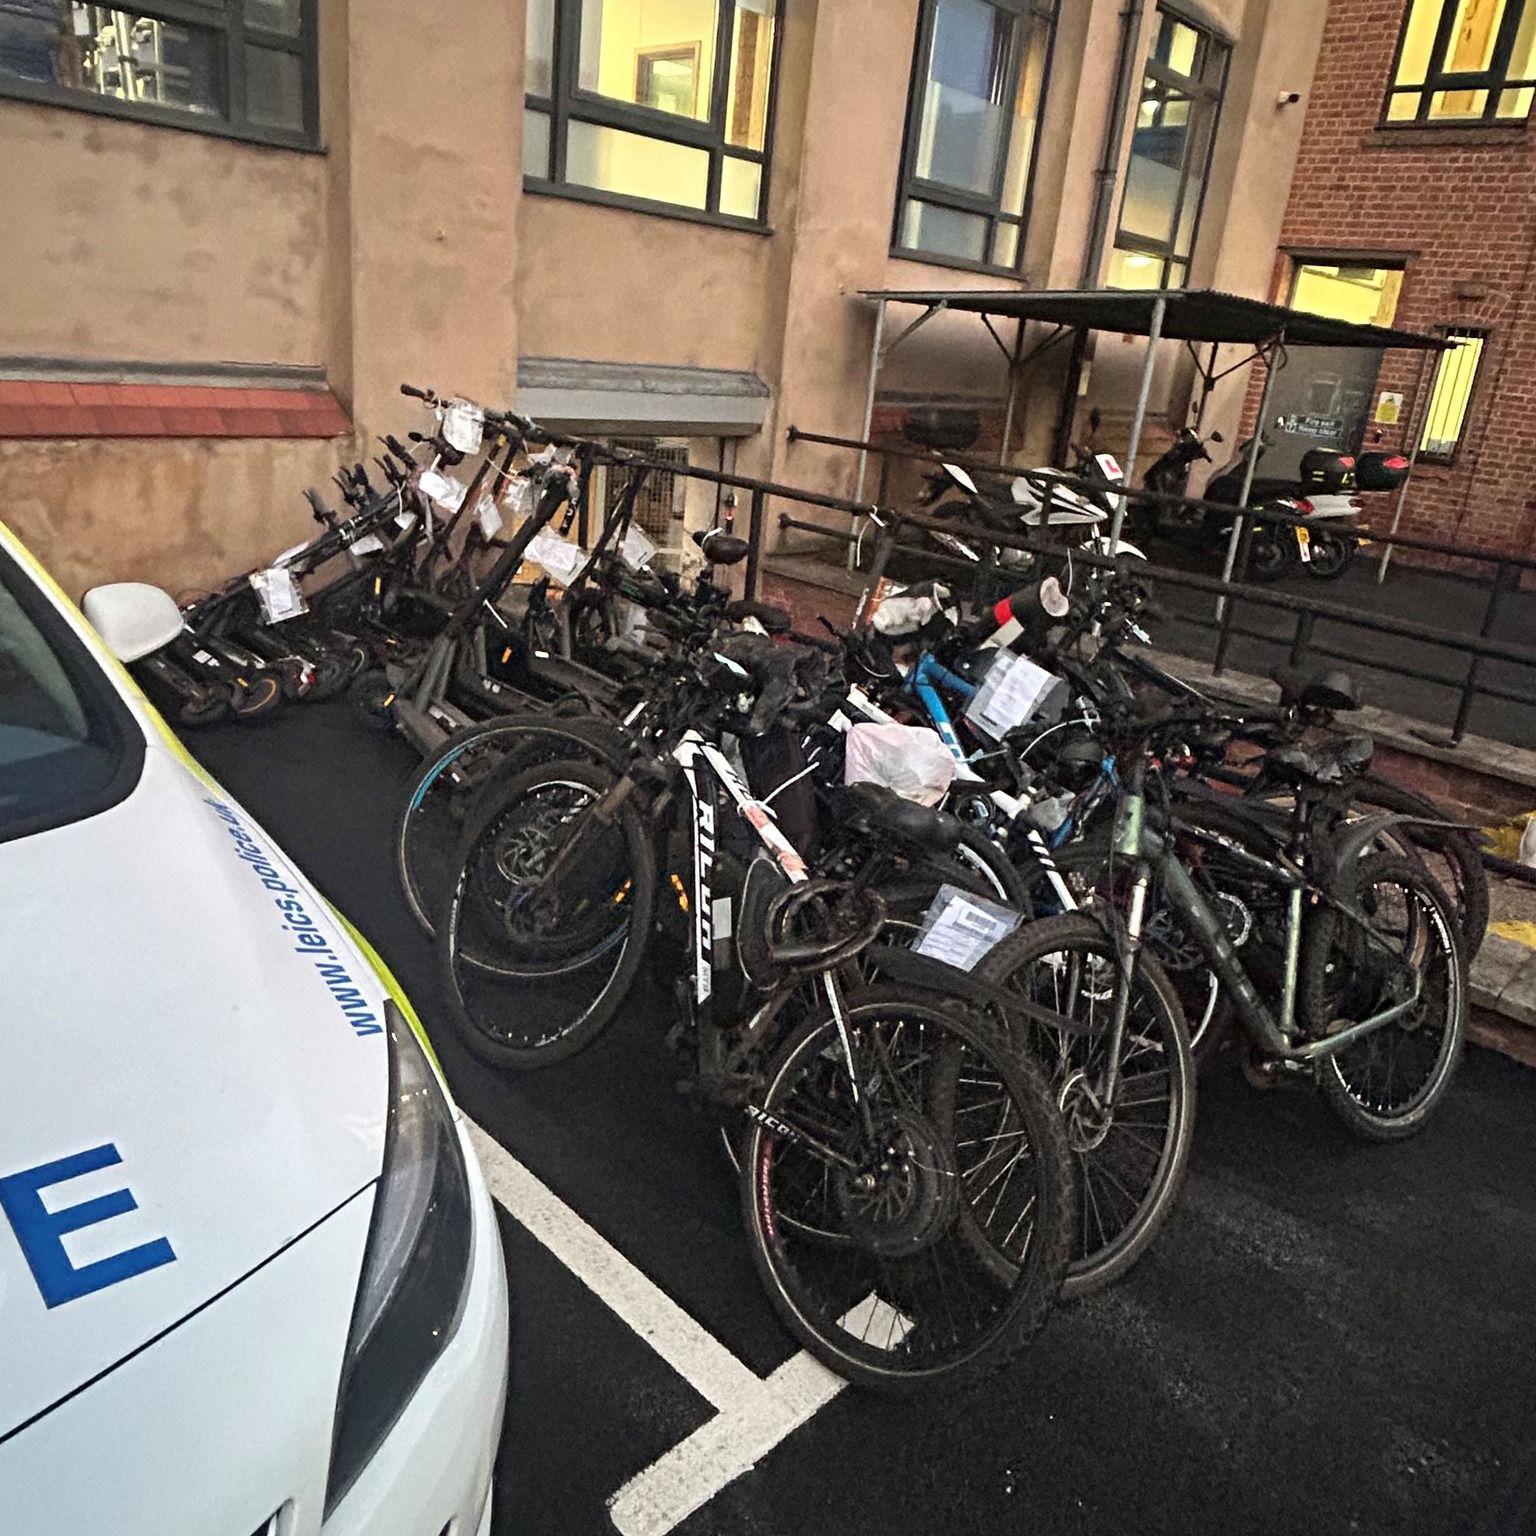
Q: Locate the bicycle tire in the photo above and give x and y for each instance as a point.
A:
(1468, 872)
(641, 900)
(1094, 1267)
(571, 737)
(1032, 1296)
(1460, 854)
(1316, 985)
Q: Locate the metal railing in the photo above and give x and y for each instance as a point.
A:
(1478, 649)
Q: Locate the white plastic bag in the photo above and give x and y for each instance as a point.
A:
(909, 760)
(903, 610)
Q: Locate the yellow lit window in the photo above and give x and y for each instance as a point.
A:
(1445, 422)
(665, 102)
(1342, 291)
(1171, 147)
(1464, 61)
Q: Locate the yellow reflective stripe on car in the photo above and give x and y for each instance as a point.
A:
(109, 663)
(393, 987)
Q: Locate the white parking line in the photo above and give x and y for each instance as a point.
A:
(752, 1414)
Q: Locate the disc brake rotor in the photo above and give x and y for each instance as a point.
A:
(906, 1201)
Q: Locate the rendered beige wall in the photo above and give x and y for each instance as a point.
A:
(390, 257)
(185, 515)
(129, 241)
(134, 243)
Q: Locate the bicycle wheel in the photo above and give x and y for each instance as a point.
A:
(1130, 1157)
(447, 790)
(859, 1242)
(1385, 1086)
(1449, 854)
(532, 976)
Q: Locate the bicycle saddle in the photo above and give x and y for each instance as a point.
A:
(1337, 763)
(775, 620)
(721, 548)
(879, 808)
(1317, 690)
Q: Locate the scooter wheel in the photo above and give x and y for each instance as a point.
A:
(373, 696)
(1266, 558)
(297, 678)
(204, 712)
(331, 676)
(260, 696)
(1332, 555)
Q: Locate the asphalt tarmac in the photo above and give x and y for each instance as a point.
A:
(1328, 1337)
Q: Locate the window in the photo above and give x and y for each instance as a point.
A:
(973, 120)
(653, 102)
(244, 68)
(1450, 398)
(1171, 145)
(1464, 61)
(1362, 295)
(67, 746)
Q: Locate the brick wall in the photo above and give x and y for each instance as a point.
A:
(1460, 204)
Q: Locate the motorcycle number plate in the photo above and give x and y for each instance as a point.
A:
(1304, 545)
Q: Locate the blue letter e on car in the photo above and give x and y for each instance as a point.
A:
(41, 1231)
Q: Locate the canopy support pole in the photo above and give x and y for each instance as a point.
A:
(869, 416)
(869, 394)
(1418, 423)
(1241, 524)
(1139, 421)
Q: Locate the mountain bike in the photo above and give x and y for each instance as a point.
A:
(904, 1177)
(1360, 945)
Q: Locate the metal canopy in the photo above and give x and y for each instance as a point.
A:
(1201, 315)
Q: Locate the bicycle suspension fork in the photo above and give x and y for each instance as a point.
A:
(1128, 840)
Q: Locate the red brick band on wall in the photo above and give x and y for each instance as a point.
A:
(32, 409)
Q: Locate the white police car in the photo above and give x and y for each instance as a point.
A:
(250, 1277)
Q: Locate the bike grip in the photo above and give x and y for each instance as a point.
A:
(416, 393)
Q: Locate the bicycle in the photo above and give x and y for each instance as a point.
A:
(904, 1176)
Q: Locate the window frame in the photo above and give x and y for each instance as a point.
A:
(227, 23)
(1494, 80)
(1202, 96)
(940, 194)
(1483, 334)
(568, 102)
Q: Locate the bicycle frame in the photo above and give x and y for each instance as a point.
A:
(927, 676)
(1150, 852)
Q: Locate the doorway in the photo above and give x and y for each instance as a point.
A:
(1322, 397)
